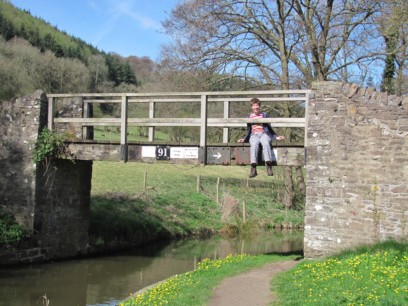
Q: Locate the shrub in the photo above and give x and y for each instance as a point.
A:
(50, 145)
(10, 231)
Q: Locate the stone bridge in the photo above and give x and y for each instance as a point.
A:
(355, 158)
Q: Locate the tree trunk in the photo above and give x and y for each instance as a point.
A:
(289, 196)
(300, 179)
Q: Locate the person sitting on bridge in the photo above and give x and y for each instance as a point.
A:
(260, 133)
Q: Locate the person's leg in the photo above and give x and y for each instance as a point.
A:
(253, 172)
(254, 142)
(266, 147)
(267, 152)
(269, 170)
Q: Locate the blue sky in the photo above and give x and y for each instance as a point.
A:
(126, 27)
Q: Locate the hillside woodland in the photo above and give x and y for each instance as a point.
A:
(36, 55)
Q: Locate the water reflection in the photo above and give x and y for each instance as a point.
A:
(107, 280)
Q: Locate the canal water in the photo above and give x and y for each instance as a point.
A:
(109, 279)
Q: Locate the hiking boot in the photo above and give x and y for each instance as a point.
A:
(269, 171)
(253, 172)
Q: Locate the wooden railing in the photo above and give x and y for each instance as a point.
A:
(203, 98)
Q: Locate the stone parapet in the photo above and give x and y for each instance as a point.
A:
(357, 168)
(51, 201)
(21, 121)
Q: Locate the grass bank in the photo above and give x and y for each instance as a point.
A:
(196, 287)
(140, 201)
(374, 275)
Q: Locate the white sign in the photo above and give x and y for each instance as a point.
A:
(179, 152)
(148, 151)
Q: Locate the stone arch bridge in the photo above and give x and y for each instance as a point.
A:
(354, 153)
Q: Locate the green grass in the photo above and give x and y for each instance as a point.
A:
(374, 275)
(111, 133)
(161, 199)
(196, 287)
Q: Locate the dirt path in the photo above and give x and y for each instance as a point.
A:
(250, 288)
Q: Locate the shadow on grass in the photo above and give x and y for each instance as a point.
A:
(118, 220)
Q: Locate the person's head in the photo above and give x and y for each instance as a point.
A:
(255, 105)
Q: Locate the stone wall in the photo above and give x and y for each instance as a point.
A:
(51, 202)
(62, 208)
(21, 121)
(357, 168)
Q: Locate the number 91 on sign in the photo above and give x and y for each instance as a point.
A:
(162, 152)
(167, 153)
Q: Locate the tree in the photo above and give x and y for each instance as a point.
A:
(268, 41)
(127, 74)
(72, 75)
(49, 43)
(98, 71)
(120, 70)
(17, 53)
(389, 69)
(144, 68)
(7, 30)
(393, 26)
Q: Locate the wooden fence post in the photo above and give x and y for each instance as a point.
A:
(198, 184)
(124, 128)
(218, 190)
(243, 212)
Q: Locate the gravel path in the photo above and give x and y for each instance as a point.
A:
(250, 288)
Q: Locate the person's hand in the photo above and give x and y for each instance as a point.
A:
(240, 140)
(280, 137)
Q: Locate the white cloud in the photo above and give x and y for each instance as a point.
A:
(126, 8)
(117, 9)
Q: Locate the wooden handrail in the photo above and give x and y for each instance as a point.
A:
(203, 98)
(263, 93)
(213, 122)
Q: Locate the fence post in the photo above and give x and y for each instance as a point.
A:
(218, 190)
(203, 129)
(198, 183)
(307, 101)
(123, 128)
(151, 116)
(87, 131)
(50, 113)
(225, 134)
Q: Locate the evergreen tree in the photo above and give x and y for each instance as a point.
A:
(120, 71)
(114, 73)
(34, 38)
(23, 32)
(7, 30)
(128, 74)
(389, 68)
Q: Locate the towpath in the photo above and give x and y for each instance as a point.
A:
(251, 288)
